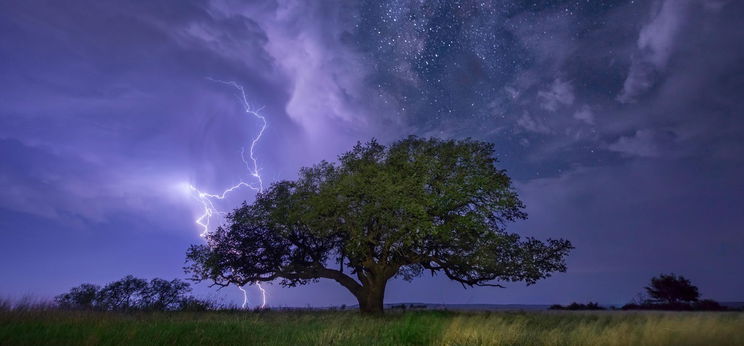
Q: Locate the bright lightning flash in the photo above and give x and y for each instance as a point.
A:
(207, 199)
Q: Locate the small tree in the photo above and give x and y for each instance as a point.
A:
(164, 295)
(131, 293)
(84, 296)
(382, 212)
(672, 289)
(121, 295)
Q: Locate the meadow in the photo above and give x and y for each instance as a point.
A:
(53, 327)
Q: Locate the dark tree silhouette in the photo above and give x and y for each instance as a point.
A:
(672, 289)
(83, 297)
(164, 295)
(123, 294)
(577, 306)
(131, 293)
(381, 212)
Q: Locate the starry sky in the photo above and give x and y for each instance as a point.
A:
(621, 123)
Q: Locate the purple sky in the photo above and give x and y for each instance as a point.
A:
(620, 122)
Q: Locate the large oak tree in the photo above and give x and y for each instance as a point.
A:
(381, 212)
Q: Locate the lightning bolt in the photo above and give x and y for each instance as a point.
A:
(251, 163)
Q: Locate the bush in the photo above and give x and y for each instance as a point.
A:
(672, 289)
(708, 305)
(83, 297)
(131, 293)
(672, 292)
(577, 306)
(701, 305)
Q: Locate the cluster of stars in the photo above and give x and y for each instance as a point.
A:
(449, 66)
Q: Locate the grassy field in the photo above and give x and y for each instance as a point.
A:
(395, 328)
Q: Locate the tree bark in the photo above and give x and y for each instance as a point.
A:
(371, 298)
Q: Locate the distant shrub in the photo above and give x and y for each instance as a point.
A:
(701, 305)
(709, 305)
(131, 293)
(672, 289)
(83, 297)
(674, 293)
(577, 306)
(162, 294)
(123, 295)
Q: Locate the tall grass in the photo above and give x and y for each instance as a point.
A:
(26, 303)
(350, 328)
(597, 328)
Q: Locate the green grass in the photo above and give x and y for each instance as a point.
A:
(349, 328)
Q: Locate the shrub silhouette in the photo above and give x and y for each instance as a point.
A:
(577, 306)
(672, 292)
(672, 289)
(132, 293)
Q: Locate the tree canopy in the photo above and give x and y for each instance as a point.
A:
(380, 212)
(672, 289)
(129, 293)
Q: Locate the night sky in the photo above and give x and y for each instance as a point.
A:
(621, 122)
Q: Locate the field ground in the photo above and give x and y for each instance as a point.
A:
(395, 328)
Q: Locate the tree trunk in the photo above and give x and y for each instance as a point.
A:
(371, 298)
